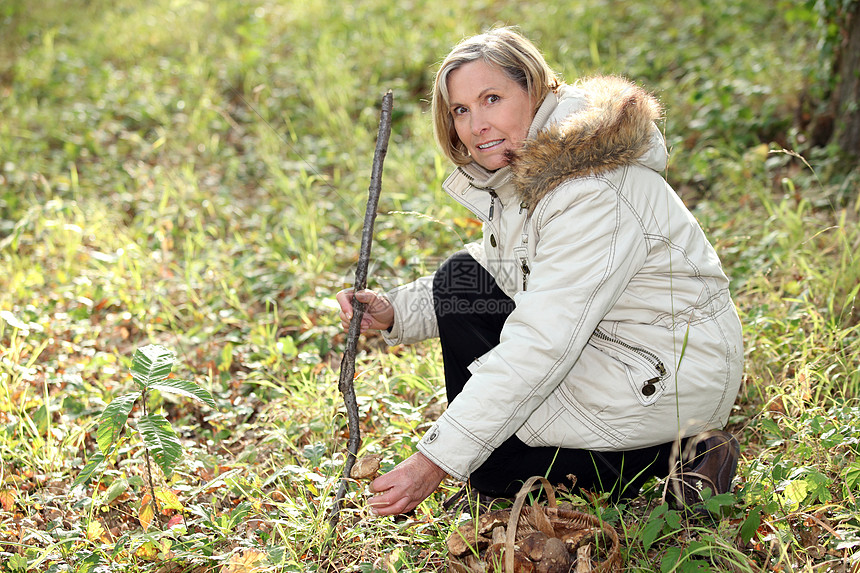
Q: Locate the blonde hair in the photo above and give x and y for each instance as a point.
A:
(505, 49)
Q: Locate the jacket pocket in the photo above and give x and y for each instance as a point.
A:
(646, 372)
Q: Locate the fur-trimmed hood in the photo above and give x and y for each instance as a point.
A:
(593, 127)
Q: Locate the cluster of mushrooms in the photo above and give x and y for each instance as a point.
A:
(540, 545)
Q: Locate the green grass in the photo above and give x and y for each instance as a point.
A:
(194, 174)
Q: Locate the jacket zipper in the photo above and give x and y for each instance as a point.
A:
(490, 190)
(647, 355)
(524, 266)
(524, 242)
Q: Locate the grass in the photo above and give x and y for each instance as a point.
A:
(194, 175)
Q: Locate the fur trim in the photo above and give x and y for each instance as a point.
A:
(613, 130)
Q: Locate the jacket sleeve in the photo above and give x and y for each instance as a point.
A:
(589, 247)
(414, 315)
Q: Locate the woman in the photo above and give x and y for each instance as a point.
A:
(592, 329)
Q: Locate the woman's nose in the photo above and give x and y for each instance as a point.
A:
(479, 123)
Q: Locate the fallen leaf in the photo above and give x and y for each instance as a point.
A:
(245, 562)
(175, 520)
(147, 551)
(145, 515)
(116, 489)
(168, 500)
(7, 499)
(95, 531)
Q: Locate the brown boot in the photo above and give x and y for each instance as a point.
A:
(709, 460)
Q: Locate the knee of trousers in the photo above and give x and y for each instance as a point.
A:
(454, 275)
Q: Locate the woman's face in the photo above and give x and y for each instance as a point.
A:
(491, 112)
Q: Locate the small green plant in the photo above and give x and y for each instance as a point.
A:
(150, 369)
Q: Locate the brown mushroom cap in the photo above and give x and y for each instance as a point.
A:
(366, 467)
(490, 520)
(467, 538)
(494, 558)
(556, 558)
(575, 537)
(532, 545)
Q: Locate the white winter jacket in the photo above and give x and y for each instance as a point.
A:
(624, 334)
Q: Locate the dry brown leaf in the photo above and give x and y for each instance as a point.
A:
(248, 561)
(538, 519)
(7, 499)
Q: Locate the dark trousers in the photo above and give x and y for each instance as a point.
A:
(471, 310)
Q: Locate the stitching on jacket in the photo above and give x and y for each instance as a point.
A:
(590, 301)
(485, 446)
(633, 211)
(708, 309)
(586, 311)
(727, 379)
(583, 415)
(536, 432)
(677, 248)
(448, 469)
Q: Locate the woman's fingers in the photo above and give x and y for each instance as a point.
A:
(392, 502)
(378, 312)
(405, 486)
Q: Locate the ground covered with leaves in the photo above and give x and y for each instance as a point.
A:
(194, 174)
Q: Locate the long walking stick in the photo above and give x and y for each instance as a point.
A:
(347, 364)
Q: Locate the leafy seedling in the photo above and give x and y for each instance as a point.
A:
(150, 369)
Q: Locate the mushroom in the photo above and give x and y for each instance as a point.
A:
(575, 537)
(366, 467)
(466, 539)
(490, 520)
(499, 534)
(533, 544)
(556, 558)
(494, 558)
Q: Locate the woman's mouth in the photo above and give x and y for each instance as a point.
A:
(490, 144)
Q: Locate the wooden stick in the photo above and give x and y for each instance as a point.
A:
(347, 364)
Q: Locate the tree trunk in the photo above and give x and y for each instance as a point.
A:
(847, 93)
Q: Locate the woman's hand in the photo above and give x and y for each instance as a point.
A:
(407, 485)
(379, 314)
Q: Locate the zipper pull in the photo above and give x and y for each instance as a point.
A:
(523, 205)
(650, 387)
(492, 204)
(526, 271)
